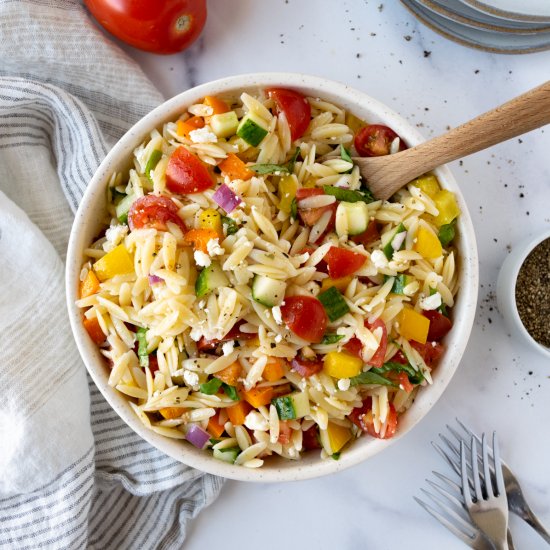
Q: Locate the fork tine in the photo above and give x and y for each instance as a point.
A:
(449, 482)
(486, 472)
(464, 475)
(451, 445)
(446, 457)
(501, 489)
(444, 492)
(475, 472)
(460, 523)
(467, 539)
(467, 430)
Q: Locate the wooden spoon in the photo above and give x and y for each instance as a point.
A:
(387, 174)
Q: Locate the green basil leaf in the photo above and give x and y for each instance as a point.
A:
(331, 339)
(231, 392)
(446, 233)
(211, 387)
(347, 195)
(142, 347)
(345, 154)
(370, 377)
(294, 209)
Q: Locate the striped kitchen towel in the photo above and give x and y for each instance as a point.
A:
(72, 474)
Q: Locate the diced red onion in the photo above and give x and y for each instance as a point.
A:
(225, 197)
(197, 436)
(153, 279)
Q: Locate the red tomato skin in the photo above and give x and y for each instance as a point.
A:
(439, 325)
(343, 262)
(306, 367)
(431, 352)
(400, 358)
(362, 418)
(285, 431)
(186, 174)
(354, 346)
(306, 317)
(377, 360)
(306, 192)
(154, 211)
(375, 140)
(370, 235)
(295, 107)
(310, 439)
(160, 27)
(234, 334)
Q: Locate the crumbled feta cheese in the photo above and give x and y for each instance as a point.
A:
(196, 333)
(379, 259)
(237, 215)
(431, 302)
(202, 259)
(255, 421)
(203, 135)
(191, 378)
(114, 236)
(201, 304)
(213, 247)
(277, 315)
(344, 384)
(278, 338)
(227, 347)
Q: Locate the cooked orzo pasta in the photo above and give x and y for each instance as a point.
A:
(248, 293)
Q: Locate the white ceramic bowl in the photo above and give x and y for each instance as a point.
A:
(506, 290)
(87, 225)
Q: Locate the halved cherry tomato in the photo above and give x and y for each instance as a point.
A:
(305, 316)
(355, 347)
(430, 351)
(439, 325)
(153, 364)
(306, 192)
(362, 418)
(185, 173)
(342, 262)
(161, 27)
(400, 358)
(306, 367)
(310, 438)
(377, 360)
(295, 107)
(370, 235)
(310, 216)
(402, 380)
(375, 140)
(154, 211)
(322, 265)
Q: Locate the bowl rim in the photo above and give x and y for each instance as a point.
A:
(306, 468)
(506, 288)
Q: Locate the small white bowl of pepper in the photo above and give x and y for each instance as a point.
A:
(523, 291)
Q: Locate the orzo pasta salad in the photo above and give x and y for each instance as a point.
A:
(248, 293)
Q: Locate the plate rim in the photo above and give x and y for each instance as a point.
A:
(505, 14)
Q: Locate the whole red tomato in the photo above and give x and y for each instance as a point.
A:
(166, 26)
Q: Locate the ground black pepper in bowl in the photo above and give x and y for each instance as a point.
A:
(533, 293)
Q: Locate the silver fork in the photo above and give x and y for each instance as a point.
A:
(516, 500)
(447, 512)
(489, 507)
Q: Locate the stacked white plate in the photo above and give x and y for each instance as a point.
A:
(501, 26)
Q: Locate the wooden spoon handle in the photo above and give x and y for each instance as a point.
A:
(522, 114)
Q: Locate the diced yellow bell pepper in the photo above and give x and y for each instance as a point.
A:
(211, 219)
(334, 437)
(116, 262)
(447, 206)
(172, 412)
(354, 123)
(287, 191)
(413, 325)
(427, 244)
(428, 185)
(253, 342)
(310, 182)
(341, 364)
(341, 284)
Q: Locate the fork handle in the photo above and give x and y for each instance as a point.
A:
(533, 521)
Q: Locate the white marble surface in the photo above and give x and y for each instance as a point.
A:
(379, 48)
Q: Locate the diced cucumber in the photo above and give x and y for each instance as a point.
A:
(252, 129)
(400, 282)
(224, 124)
(209, 279)
(123, 208)
(352, 218)
(227, 455)
(334, 303)
(389, 247)
(268, 291)
(152, 162)
(291, 406)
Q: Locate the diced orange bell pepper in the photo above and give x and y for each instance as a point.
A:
(413, 325)
(230, 375)
(274, 369)
(214, 428)
(90, 285)
(235, 168)
(94, 330)
(184, 127)
(199, 238)
(259, 396)
(218, 105)
(172, 412)
(237, 413)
